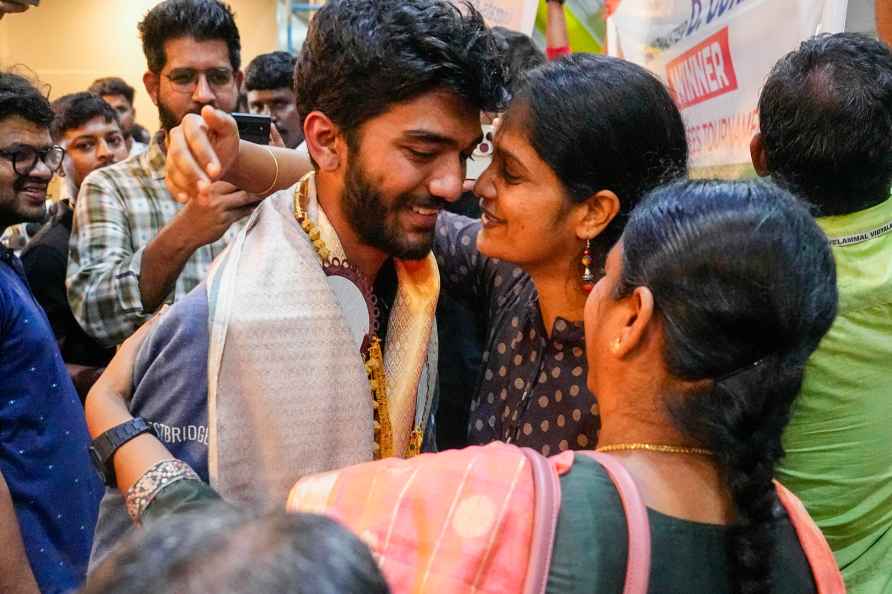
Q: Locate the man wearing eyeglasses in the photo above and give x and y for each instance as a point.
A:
(133, 246)
(47, 521)
(89, 130)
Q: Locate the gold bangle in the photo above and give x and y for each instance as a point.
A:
(272, 186)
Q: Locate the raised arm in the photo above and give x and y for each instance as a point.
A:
(106, 407)
(141, 462)
(113, 288)
(206, 148)
(557, 41)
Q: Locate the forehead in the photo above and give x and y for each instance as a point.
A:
(262, 96)
(441, 113)
(18, 130)
(187, 52)
(98, 126)
(116, 100)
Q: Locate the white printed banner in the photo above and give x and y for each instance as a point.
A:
(517, 15)
(715, 56)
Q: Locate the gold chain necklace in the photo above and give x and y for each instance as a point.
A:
(374, 359)
(655, 447)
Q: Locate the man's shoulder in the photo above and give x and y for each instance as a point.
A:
(185, 321)
(52, 240)
(178, 344)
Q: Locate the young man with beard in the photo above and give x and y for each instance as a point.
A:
(87, 128)
(133, 246)
(44, 462)
(315, 331)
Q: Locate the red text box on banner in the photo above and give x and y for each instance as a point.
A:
(703, 72)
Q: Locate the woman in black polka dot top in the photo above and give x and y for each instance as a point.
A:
(581, 142)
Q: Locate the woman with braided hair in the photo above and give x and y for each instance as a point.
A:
(697, 339)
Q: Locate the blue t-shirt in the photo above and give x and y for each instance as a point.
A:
(43, 440)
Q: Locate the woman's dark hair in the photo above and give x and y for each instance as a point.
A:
(826, 121)
(363, 56)
(226, 551)
(745, 284)
(202, 20)
(602, 123)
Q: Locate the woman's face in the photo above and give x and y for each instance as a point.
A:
(603, 323)
(526, 214)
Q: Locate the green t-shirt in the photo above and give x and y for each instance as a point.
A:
(839, 442)
(591, 546)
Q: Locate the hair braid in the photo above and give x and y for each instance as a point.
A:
(744, 280)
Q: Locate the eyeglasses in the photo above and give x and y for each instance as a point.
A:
(24, 157)
(185, 80)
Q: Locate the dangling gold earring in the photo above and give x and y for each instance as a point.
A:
(588, 278)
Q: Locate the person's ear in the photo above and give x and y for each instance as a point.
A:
(152, 82)
(324, 141)
(595, 213)
(638, 314)
(759, 156)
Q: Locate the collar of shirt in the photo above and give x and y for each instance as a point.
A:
(859, 226)
(562, 331)
(154, 159)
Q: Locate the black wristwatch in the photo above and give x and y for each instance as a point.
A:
(105, 445)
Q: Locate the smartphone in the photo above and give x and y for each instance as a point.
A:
(253, 128)
(482, 155)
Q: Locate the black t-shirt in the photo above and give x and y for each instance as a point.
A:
(45, 260)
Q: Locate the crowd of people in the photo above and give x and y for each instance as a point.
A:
(581, 371)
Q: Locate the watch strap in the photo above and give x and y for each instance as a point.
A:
(105, 446)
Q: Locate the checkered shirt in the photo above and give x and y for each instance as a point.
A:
(119, 210)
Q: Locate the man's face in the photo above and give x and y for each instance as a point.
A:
(197, 73)
(22, 197)
(95, 144)
(408, 163)
(125, 110)
(280, 105)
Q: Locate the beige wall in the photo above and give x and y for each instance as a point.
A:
(70, 43)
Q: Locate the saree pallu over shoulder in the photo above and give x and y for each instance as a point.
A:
(288, 393)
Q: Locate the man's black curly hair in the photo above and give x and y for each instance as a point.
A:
(266, 72)
(203, 20)
(363, 56)
(76, 109)
(19, 97)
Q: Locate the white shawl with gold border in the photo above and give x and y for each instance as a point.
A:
(288, 393)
